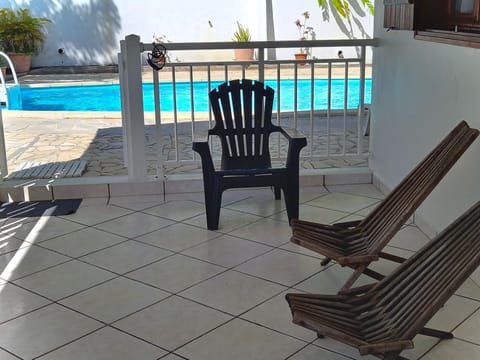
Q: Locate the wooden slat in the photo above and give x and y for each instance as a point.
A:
(28, 170)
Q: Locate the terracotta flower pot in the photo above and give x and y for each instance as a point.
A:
(21, 62)
(244, 54)
(301, 56)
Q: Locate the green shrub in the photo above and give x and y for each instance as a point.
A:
(20, 32)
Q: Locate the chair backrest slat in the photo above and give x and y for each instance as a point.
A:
(401, 304)
(385, 220)
(243, 110)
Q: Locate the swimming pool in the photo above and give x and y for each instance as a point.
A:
(107, 97)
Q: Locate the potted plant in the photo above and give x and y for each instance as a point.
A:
(305, 33)
(21, 35)
(242, 35)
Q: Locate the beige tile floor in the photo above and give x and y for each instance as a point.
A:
(142, 278)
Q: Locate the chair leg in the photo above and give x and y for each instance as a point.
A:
(278, 192)
(213, 203)
(351, 280)
(291, 195)
(325, 261)
(436, 333)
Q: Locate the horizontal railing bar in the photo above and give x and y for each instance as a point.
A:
(262, 44)
(267, 62)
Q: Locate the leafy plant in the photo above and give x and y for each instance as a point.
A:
(342, 7)
(242, 34)
(20, 32)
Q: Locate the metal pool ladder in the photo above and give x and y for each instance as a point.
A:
(9, 93)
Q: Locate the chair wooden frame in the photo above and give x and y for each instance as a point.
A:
(356, 244)
(243, 121)
(383, 318)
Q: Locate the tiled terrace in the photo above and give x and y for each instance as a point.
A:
(142, 278)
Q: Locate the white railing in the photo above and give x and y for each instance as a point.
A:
(328, 128)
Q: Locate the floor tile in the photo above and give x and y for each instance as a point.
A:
(43, 330)
(178, 237)
(453, 350)
(172, 357)
(455, 311)
(313, 213)
(343, 202)
(469, 289)
(275, 314)
(64, 280)
(28, 260)
(421, 345)
(44, 228)
(9, 243)
(330, 280)
(340, 348)
(261, 204)
(282, 267)
(267, 231)
(137, 203)
(410, 238)
(193, 196)
(229, 220)
(114, 299)
(227, 251)
(91, 215)
(177, 210)
(106, 344)
(300, 250)
(16, 301)
(368, 190)
(469, 329)
(7, 356)
(134, 225)
(126, 256)
(232, 292)
(240, 340)
(314, 352)
(172, 322)
(308, 193)
(82, 242)
(175, 273)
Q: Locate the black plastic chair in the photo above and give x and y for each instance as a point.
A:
(243, 122)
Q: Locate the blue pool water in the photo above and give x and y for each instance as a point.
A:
(107, 97)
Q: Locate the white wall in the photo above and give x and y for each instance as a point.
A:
(90, 30)
(421, 91)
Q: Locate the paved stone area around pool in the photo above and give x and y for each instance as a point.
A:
(99, 141)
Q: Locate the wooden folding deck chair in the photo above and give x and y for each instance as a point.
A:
(356, 244)
(383, 318)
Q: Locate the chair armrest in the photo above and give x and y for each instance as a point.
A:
(200, 145)
(296, 142)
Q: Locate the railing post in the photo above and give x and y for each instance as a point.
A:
(132, 107)
(3, 151)
(361, 99)
(261, 64)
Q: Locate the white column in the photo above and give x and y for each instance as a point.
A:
(132, 107)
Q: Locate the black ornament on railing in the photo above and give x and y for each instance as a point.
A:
(156, 59)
